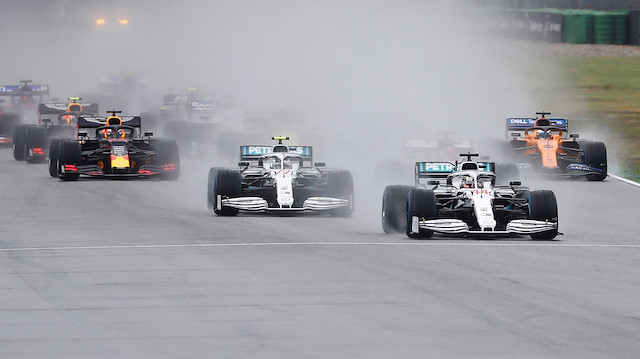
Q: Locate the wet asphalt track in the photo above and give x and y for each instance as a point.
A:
(140, 269)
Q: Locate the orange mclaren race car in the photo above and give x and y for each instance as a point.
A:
(113, 147)
(544, 145)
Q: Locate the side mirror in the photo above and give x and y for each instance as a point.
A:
(574, 135)
(433, 183)
(82, 134)
(515, 183)
(148, 134)
(46, 120)
(319, 164)
(515, 135)
(243, 164)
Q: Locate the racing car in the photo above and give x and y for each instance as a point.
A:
(21, 107)
(31, 142)
(545, 146)
(463, 199)
(279, 178)
(113, 147)
(196, 118)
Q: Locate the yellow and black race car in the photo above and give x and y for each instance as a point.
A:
(113, 147)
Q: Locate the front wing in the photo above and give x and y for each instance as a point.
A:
(572, 170)
(457, 226)
(255, 204)
(95, 171)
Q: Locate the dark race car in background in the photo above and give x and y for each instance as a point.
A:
(392, 168)
(279, 179)
(200, 122)
(55, 120)
(113, 147)
(545, 146)
(19, 105)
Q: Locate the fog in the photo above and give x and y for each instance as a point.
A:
(367, 74)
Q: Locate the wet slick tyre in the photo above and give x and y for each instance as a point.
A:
(394, 208)
(20, 142)
(70, 154)
(36, 138)
(168, 155)
(543, 207)
(340, 185)
(595, 155)
(54, 156)
(228, 184)
(421, 204)
(211, 182)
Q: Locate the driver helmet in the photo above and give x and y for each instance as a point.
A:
(543, 134)
(286, 163)
(467, 182)
(109, 133)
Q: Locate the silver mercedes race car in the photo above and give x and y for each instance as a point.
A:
(463, 199)
(279, 178)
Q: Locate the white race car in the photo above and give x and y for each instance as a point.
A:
(463, 198)
(279, 178)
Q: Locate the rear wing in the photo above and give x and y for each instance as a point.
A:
(520, 124)
(93, 122)
(58, 108)
(11, 90)
(437, 171)
(253, 152)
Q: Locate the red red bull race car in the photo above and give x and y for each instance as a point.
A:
(113, 147)
(55, 120)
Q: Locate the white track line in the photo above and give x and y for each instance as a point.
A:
(273, 244)
(622, 179)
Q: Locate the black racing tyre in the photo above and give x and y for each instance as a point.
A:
(54, 156)
(36, 138)
(543, 207)
(506, 172)
(394, 208)
(70, 154)
(211, 181)
(421, 203)
(168, 155)
(20, 142)
(595, 155)
(340, 185)
(228, 184)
